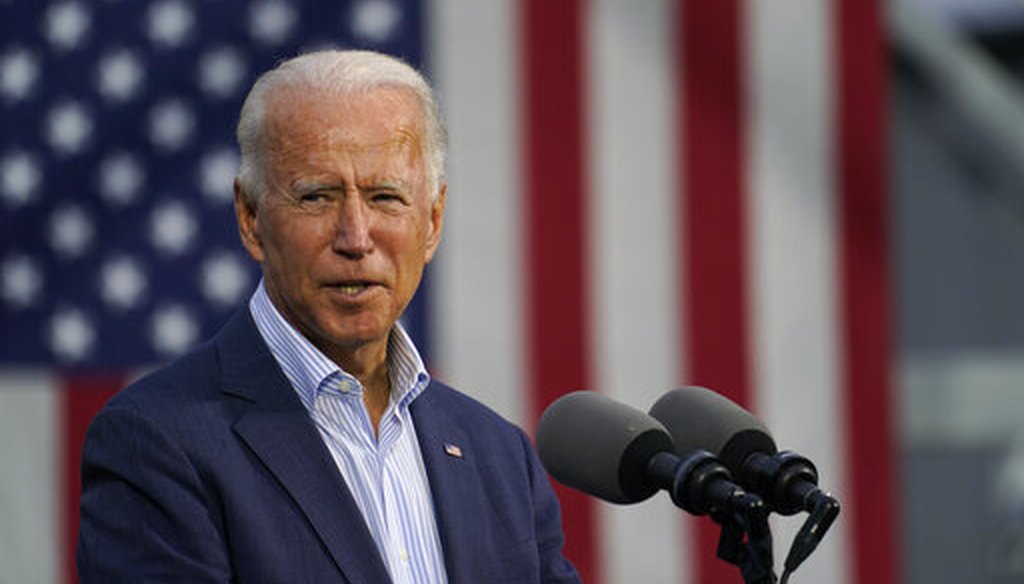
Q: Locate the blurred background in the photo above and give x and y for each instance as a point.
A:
(813, 207)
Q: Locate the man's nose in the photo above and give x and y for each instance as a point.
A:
(353, 234)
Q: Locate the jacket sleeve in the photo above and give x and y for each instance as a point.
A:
(145, 515)
(554, 567)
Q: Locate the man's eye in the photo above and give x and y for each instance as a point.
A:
(387, 197)
(313, 198)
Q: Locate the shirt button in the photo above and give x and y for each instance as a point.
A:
(404, 555)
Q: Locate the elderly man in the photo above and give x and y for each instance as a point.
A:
(306, 442)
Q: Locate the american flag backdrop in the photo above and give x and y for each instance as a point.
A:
(642, 195)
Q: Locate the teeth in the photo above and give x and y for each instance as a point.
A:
(353, 288)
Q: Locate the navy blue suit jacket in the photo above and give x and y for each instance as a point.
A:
(211, 470)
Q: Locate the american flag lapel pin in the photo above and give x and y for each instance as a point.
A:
(452, 450)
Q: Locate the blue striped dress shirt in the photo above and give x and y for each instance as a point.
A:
(384, 472)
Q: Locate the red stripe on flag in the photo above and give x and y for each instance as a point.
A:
(81, 397)
(714, 246)
(862, 156)
(555, 216)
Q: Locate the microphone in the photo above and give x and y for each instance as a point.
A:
(622, 455)
(698, 418)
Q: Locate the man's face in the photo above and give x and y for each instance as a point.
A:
(348, 221)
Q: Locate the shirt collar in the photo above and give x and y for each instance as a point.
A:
(308, 369)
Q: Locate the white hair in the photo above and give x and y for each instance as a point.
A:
(340, 72)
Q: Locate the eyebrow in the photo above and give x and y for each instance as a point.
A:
(396, 185)
(306, 186)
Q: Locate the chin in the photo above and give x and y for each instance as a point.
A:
(349, 334)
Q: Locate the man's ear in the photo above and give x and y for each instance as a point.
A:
(436, 224)
(246, 211)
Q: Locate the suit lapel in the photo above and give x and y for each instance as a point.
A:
(448, 457)
(275, 425)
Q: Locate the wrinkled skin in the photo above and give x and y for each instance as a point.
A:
(348, 221)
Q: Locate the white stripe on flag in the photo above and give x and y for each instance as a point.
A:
(793, 250)
(633, 269)
(478, 283)
(29, 485)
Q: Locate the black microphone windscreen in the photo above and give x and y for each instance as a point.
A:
(700, 419)
(599, 446)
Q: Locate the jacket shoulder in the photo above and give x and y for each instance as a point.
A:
(192, 377)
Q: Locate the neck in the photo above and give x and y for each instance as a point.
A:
(369, 365)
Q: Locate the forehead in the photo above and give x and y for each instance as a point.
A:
(312, 119)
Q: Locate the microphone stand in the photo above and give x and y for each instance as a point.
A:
(700, 484)
(746, 542)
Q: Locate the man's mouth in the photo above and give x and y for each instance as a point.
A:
(353, 288)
